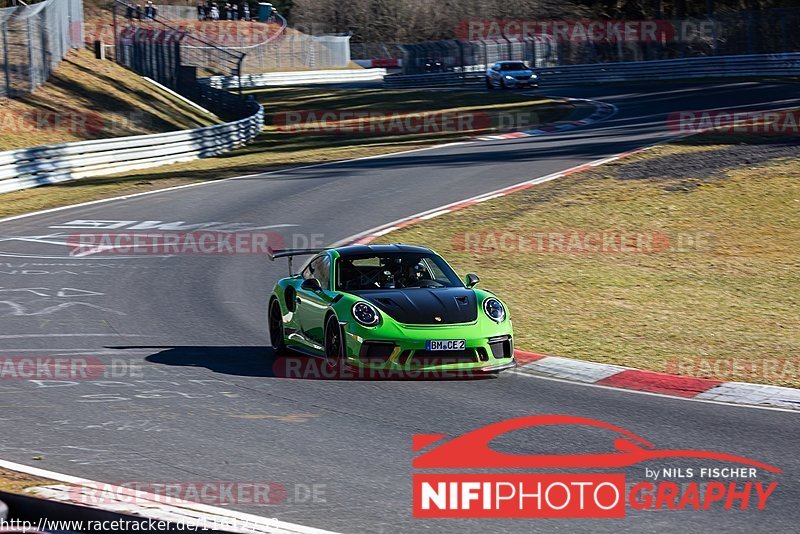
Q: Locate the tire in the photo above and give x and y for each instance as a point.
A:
(489, 85)
(503, 84)
(334, 343)
(275, 324)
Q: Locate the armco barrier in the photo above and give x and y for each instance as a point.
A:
(758, 66)
(439, 79)
(309, 77)
(31, 167)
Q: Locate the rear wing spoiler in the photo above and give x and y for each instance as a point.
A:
(291, 253)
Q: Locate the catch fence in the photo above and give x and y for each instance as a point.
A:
(580, 42)
(33, 41)
(266, 46)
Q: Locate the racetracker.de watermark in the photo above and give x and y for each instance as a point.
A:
(783, 122)
(368, 123)
(67, 121)
(213, 493)
(576, 31)
(173, 243)
(67, 368)
(306, 368)
(579, 241)
(222, 34)
(745, 369)
(387, 122)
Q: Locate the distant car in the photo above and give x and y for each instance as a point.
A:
(433, 65)
(389, 308)
(510, 75)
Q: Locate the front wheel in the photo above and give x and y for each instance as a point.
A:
(334, 343)
(489, 85)
(275, 321)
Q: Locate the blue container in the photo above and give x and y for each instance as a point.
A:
(264, 11)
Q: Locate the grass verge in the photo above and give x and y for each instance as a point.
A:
(709, 281)
(16, 482)
(276, 148)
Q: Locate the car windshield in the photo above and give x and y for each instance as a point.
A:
(394, 271)
(513, 66)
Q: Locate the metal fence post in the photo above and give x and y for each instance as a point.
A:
(784, 35)
(239, 74)
(114, 29)
(714, 38)
(5, 58)
(31, 77)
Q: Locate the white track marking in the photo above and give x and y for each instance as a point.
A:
(387, 228)
(638, 392)
(36, 336)
(211, 513)
(758, 394)
(221, 181)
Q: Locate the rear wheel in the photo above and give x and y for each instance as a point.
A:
(334, 343)
(275, 321)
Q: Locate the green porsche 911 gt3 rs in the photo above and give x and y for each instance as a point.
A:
(389, 308)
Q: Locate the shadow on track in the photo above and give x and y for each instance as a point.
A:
(261, 361)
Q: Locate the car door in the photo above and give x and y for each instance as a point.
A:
(496, 72)
(312, 304)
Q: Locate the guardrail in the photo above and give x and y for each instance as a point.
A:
(761, 66)
(280, 79)
(439, 79)
(31, 167)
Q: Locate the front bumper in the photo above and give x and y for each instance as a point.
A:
(486, 349)
(521, 83)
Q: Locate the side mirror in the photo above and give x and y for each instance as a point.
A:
(472, 280)
(311, 284)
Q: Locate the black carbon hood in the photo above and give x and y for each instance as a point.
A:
(422, 305)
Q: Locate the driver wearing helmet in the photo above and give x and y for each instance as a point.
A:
(412, 273)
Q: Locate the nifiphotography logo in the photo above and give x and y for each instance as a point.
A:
(722, 481)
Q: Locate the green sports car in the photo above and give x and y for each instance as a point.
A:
(388, 308)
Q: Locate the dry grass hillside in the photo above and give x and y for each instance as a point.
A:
(86, 98)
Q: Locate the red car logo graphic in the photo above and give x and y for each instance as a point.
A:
(472, 449)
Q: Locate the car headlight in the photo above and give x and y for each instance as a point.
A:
(494, 310)
(534, 76)
(366, 313)
(509, 77)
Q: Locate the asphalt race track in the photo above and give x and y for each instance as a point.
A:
(206, 405)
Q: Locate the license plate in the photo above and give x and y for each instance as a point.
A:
(446, 344)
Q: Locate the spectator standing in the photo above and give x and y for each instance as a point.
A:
(201, 11)
(148, 10)
(214, 12)
(246, 12)
(223, 15)
(138, 11)
(129, 12)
